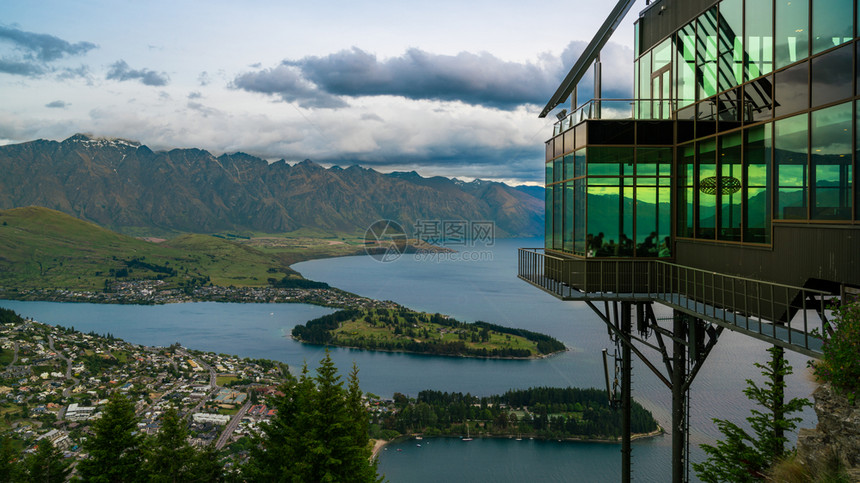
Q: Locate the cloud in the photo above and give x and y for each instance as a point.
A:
(57, 104)
(289, 83)
(120, 71)
(472, 78)
(204, 78)
(32, 52)
(195, 95)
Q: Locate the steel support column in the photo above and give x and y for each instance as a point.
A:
(626, 368)
(679, 410)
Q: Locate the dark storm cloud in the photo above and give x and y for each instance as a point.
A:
(120, 71)
(31, 52)
(289, 83)
(476, 79)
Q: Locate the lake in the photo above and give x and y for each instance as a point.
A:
(485, 288)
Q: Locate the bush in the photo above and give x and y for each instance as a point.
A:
(840, 365)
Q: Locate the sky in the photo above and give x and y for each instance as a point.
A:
(450, 88)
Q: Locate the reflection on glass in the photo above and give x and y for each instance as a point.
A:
(686, 65)
(579, 163)
(790, 153)
(792, 31)
(604, 216)
(568, 166)
(731, 44)
(759, 38)
(831, 163)
(756, 189)
(567, 237)
(791, 90)
(558, 169)
(758, 100)
(547, 238)
(706, 54)
(549, 178)
(653, 161)
(686, 193)
(647, 215)
(830, 24)
(707, 201)
(728, 187)
(832, 76)
(610, 161)
(557, 226)
(645, 86)
(579, 231)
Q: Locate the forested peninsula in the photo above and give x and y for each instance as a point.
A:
(404, 330)
(539, 412)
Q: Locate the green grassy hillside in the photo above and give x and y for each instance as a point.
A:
(42, 248)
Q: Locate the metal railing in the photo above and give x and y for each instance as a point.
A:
(775, 312)
(646, 109)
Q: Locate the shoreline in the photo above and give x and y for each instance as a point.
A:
(380, 444)
(461, 356)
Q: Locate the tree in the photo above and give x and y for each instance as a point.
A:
(46, 465)
(840, 364)
(318, 434)
(168, 454)
(9, 467)
(741, 456)
(115, 450)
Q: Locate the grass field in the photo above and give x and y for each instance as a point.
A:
(42, 248)
(387, 328)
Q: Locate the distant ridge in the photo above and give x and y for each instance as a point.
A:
(125, 186)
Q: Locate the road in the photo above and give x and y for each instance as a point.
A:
(213, 379)
(15, 357)
(68, 390)
(231, 426)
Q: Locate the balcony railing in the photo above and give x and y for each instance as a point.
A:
(789, 316)
(616, 109)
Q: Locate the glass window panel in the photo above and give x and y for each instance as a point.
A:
(549, 178)
(759, 38)
(729, 110)
(833, 76)
(645, 86)
(547, 239)
(662, 55)
(791, 31)
(706, 165)
(791, 90)
(604, 220)
(686, 195)
(653, 162)
(758, 100)
(686, 65)
(756, 189)
(830, 158)
(567, 236)
(832, 23)
(647, 213)
(568, 166)
(728, 187)
(664, 222)
(558, 169)
(579, 235)
(731, 44)
(579, 163)
(706, 53)
(609, 161)
(558, 222)
(790, 154)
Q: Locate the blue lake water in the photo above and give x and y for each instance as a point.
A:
(488, 290)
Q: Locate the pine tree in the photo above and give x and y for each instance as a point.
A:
(744, 457)
(318, 434)
(115, 452)
(168, 455)
(46, 465)
(9, 467)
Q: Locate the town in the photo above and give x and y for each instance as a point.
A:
(55, 381)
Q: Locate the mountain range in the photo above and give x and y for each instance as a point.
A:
(125, 186)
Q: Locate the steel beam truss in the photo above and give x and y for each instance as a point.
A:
(692, 340)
